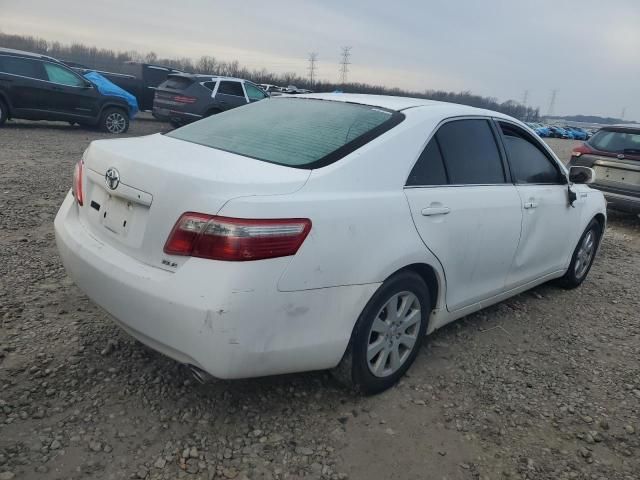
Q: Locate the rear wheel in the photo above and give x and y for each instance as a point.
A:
(4, 113)
(387, 336)
(583, 256)
(114, 120)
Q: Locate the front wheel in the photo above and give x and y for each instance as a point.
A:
(583, 256)
(387, 336)
(114, 120)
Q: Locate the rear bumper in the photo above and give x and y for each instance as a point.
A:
(620, 201)
(230, 323)
(168, 114)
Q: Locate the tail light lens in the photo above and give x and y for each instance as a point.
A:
(184, 99)
(578, 151)
(76, 188)
(236, 239)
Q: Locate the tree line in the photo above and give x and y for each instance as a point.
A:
(114, 61)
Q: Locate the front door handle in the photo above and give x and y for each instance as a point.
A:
(530, 205)
(430, 211)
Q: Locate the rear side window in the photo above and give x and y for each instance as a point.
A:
(616, 141)
(210, 85)
(302, 133)
(429, 169)
(154, 76)
(58, 74)
(470, 153)
(529, 163)
(177, 83)
(24, 67)
(231, 88)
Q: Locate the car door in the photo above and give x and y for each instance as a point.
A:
(24, 80)
(230, 94)
(549, 222)
(465, 209)
(69, 95)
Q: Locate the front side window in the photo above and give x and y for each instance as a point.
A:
(57, 74)
(529, 163)
(429, 169)
(231, 88)
(470, 153)
(302, 133)
(254, 93)
(25, 67)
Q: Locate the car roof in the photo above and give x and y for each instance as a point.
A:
(390, 102)
(202, 76)
(22, 53)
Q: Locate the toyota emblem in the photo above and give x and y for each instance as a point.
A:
(112, 178)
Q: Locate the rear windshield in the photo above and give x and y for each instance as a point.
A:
(301, 133)
(617, 141)
(177, 83)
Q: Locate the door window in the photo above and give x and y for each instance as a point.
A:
(529, 162)
(470, 153)
(58, 74)
(254, 93)
(231, 88)
(429, 169)
(24, 67)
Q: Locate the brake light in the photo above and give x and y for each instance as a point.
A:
(236, 239)
(578, 151)
(76, 188)
(184, 99)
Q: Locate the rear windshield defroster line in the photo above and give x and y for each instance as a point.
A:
(294, 132)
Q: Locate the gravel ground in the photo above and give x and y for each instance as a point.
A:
(545, 385)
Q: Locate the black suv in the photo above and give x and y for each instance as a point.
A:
(37, 87)
(185, 98)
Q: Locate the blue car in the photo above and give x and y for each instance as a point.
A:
(540, 129)
(578, 133)
(558, 132)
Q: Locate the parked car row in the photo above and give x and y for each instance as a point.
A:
(555, 131)
(275, 90)
(38, 87)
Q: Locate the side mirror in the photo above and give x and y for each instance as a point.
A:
(582, 175)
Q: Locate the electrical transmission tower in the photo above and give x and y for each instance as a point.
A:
(624, 111)
(313, 67)
(344, 64)
(552, 103)
(525, 97)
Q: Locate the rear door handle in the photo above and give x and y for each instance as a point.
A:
(430, 211)
(530, 205)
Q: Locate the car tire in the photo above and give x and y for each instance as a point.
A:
(4, 113)
(583, 256)
(114, 120)
(381, 350)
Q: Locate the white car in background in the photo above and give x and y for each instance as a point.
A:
(326, 231)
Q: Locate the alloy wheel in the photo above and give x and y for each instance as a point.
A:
(585, 254)
(115, 122)
(393, 334)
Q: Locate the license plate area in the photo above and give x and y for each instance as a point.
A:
(617, 175)
(117, 215)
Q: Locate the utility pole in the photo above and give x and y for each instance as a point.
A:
(313, 60)
(344, 64)
(552, 103)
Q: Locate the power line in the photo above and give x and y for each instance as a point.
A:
(313, 60)
(552, 103)
(344, 64)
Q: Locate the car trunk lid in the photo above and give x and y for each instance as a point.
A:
(135, 189)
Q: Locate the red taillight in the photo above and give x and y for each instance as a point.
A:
(236, 239)
(184, 99)
(76, 188)
(578, 151)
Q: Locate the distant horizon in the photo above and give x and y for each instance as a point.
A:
(508, 51)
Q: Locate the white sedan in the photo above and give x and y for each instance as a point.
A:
(327, 231)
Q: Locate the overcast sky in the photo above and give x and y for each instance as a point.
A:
(589, 50)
